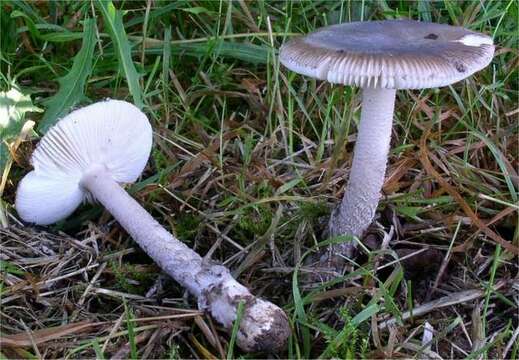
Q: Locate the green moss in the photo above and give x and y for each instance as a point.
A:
(313, 211)
(186, 226)
(256, 220)
(130, 278)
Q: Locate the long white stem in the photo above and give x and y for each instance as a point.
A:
(264, 326)
(368, 169)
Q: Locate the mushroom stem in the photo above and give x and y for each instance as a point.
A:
(362, 194)
(264, 326)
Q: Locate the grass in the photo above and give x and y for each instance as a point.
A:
(248, 161)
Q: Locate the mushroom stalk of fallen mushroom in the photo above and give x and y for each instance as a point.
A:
(85, 156)
(173, 256)
(366, 178)
(212, 284)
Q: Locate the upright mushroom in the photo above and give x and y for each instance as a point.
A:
(87, 155)
(381, 57)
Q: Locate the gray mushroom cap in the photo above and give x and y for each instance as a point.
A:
(397, 54)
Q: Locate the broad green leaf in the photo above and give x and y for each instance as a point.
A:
(113, 20)
(13, 106)
(72, 85)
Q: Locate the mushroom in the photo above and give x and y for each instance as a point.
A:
(85, 156)
(380, 57)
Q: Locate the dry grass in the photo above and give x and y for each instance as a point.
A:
(248, 161)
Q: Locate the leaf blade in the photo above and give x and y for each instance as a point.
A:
(13, 107)
(113, 22)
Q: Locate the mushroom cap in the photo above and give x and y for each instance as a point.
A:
(397, 54)
(111, 133)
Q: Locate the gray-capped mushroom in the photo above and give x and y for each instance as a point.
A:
(85, 156)
(381, 57)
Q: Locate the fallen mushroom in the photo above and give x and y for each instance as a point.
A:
(87, 155)
(380, 57)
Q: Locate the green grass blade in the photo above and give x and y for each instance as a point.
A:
(131, 331)
(30, 24)
(98, 350)
(61, 35)
(113, 20)
(72, 85)
(365, 314)
(246, 52)
(235, 328)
